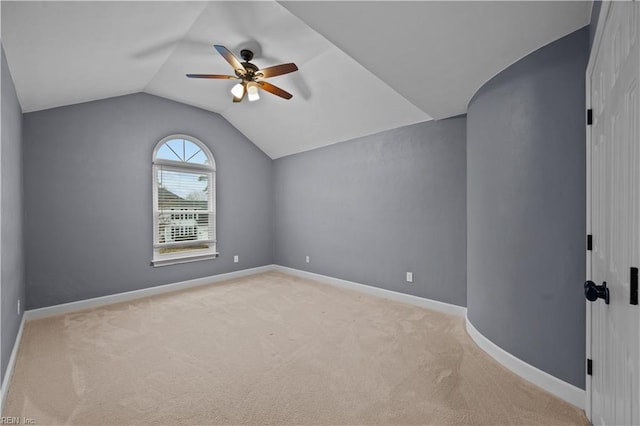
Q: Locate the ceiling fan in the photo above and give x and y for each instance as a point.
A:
(250, 76)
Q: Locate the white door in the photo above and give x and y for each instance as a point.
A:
(613, 396)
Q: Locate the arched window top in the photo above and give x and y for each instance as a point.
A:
(183, 150)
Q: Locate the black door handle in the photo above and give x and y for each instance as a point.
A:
(593, 292)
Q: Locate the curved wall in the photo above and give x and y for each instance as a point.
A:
(526, 208)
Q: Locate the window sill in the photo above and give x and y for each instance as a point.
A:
(174, 261)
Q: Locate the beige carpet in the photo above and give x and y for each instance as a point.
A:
(267, 349)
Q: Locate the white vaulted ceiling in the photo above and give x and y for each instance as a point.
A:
(364, 67)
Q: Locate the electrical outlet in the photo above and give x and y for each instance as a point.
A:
(307, 259)
(409, 277)
(18, 306)
(235, 259)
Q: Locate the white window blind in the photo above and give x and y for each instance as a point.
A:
(184, 207)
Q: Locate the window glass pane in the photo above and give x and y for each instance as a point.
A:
(182, 150)
(166, 154)
(176, 146)
(182, 190)
(176, 228)
(190, 149)
(199, 158)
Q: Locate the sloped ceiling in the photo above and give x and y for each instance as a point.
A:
(364, 66)
(438, 54)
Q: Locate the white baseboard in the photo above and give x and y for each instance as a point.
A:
(137, 294)
(546, 381)
(11, 365)
(378, 292)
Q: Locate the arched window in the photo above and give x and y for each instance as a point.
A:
(184, 212)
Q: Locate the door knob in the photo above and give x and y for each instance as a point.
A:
(593, 292)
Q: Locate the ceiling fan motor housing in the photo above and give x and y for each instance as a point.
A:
(251, 71)
(246, 54)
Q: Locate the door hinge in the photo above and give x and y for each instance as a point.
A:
(589, 367)
(589, 242)
(589, 117)
(633, 286)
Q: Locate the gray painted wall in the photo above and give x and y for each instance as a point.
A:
(12, 276)
(88, 197)
(526, 208)
(593, 25)
(371, 209)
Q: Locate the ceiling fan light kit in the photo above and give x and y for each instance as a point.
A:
(252, 92)
(238, 90)
(251, 77)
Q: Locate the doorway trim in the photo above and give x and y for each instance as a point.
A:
(597, 39)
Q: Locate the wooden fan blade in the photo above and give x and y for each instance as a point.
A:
(277, 70)
(274, 89)
(228, 56)
(225, 77)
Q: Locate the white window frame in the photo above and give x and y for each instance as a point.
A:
(160, 259)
